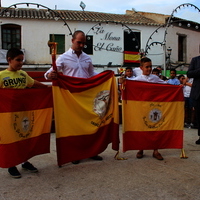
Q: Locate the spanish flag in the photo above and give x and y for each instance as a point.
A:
(25, 123)
(153, 116)
(86, 116)
(131, 57)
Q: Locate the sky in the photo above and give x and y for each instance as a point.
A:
(120, 6)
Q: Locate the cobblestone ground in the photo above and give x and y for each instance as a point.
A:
(110, 179)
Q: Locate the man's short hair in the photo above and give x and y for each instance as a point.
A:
(76, 33)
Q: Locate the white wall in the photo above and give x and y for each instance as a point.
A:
(35, 35)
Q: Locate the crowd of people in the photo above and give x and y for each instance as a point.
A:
(76, 63)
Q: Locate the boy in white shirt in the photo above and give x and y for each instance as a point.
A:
(146, 76)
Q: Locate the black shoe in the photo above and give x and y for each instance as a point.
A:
(13, 171)
(198, 141)
(97, 158)
(75, 162)
(28, 166)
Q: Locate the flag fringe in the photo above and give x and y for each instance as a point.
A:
(117, 157)
(183, 155)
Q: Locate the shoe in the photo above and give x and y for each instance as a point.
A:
(28, 166)
(75, 162)
(198, 141)
(158, 156)
(96, 158)
(13, 171)
(139, 154)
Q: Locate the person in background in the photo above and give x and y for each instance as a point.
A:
(164, 78)
(137, 71)
(76, 63)
(189, 109)
(14, 77)
(173, 80)
(156, 72)
(194, 72)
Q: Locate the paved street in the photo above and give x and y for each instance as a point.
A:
(110, 179)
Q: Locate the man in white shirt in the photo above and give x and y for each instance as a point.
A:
(76, 63)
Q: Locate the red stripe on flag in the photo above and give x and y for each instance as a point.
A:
(19, 152)
(132, 61)
(132, 52)
(135, 91)
(85, 146)
(74, 84)
(147, 140)
(13, 100)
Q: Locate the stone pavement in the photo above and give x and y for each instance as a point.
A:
(110, 179)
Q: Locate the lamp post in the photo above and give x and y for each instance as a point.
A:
(169, 52)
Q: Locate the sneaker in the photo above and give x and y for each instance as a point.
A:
(28, 166)
(13, 171)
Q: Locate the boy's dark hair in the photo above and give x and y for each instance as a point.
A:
(156, 70)
(173, 70)
(13, 52)
(181, 75)
(129, 68)
(76, 33)
(144, 60)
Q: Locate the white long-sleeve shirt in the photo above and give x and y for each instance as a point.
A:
(149, 78)
(72, 65)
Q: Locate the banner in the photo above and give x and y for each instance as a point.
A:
(86, 116)
(25, 123)
(153, 116)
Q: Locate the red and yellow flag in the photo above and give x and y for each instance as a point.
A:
(25, 123)
(86, 116)
(131, 57)
(153, 116)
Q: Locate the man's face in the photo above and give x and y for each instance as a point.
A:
(78, 42)
(146, 68)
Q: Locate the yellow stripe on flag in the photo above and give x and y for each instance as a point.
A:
(85, 110)
(131, 57)
(152, 116)
(18, 126)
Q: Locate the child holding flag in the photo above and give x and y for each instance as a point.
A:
(146, 76)
(15, 78)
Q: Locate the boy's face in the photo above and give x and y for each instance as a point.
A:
(172, 74)
(16, 63)
(155, 73)
(182, 80)
(129, 73)
(146, 68)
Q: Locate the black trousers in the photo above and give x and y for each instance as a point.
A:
(196, 104)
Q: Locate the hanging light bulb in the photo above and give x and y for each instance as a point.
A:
(47, 12)
(188, 25)
(197, 27)
(180, 24)
(7, 14)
